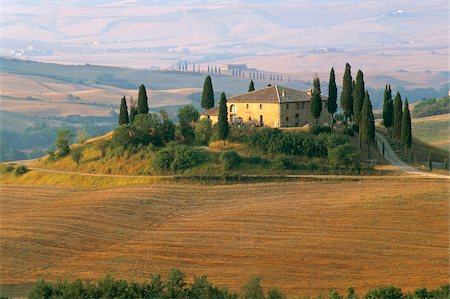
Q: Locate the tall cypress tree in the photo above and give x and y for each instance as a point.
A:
(208, 94)
(359, 95)
(142, 106)
(133, 110)
(346, 94)
(332, 95)
(397, 125)
(388, 108)
(251, 86)
(123, 113)
(367, 129)
(222, 124)
(406, 134)
(316, 100)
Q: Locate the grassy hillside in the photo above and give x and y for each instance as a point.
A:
(304, 237)
(434, 130)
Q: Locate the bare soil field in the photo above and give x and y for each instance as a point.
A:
(303, 237)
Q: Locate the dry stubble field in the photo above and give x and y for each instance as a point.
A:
(303, 237)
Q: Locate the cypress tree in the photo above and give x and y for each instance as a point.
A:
(251, 86)
(133, 110)
(123, 113)
(332, 95)
(430, 163)
(222, 124)
(367, 129)
(346, 94)
(208, 94)
(142, 105)
(388, 108)
(397, 124)
(316, 100)
(359, 95)
(406, 134)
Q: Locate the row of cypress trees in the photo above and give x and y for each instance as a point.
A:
(140, 108)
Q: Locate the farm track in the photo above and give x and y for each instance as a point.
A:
(303, 237)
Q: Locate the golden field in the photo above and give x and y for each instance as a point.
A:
(303, 237)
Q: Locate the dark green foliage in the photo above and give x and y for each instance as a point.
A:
(253, 289)
(251, 86)
(142, 105)
(397, 123)
(332, 94)
(359, 94)
(229, 159)
(275, 141)
(284, 162)
(388, 108)
(21, 169)
(133, 110)
(421, 293)
(187, 117)
(167, 127)
(351, 293)
(406, 133)
(77, 154)
(316, 130)
(433, 106)
(176, 285)
(384, 293)
(446, 164)
(7, 168)
(430, 162)
(41, 289)
(222, 125)
(63, 140)
(343, 156)
(208, 94)
(316, 100)
(124, 136)
(149, 129)
(203, 131)
(333, 294)
(274, 293)
(123, 112)
(367, 131)
(347, 93)
(176, 158)
(443, 292)
(103, 145)
(349, 132)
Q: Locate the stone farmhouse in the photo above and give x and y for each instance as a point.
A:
(274, 106)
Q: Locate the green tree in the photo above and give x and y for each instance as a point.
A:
(332, 95)
(251, 86)
(123, 112)
(388, 108)
(208, 94)
(63, 140)
(176, 285)
(406, 134)
(384, 293)
(187, 117)
(367, 123)
(397, 125)
(359, 94)
(230, 159)
(347, 93)
(77, 154)
(167, 127)
(430, 162)
(82, 136)
(316, 101)
(142, 105)
(222, 125)
(274, 293)
(253, 289)
(133, 110)
(203, 131)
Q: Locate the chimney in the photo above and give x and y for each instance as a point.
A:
(283, 93)
(309, 92)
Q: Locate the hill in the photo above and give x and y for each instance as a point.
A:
(433, 130)
(350, 235)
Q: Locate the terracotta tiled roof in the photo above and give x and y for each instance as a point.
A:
(272, 94)
(214, 111)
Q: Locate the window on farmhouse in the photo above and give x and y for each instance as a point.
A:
(246, 106)
(303, 105)
(232, 108)
(298, 106)
(260, 106)
(287, 118)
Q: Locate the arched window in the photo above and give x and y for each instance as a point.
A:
(232, 108)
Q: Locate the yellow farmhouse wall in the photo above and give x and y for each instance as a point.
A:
(252, 112)
(214, 118)
(296, 114)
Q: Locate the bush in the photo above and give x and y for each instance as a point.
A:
(184, 158)
(7, 168)
(162, 160)
(63, 140)
(284, 162)
(41, 289)
(254, 159)
(342, 156)
(316, 130)
(203, 131)
(77, 154)
(349, 132)
(230, 159)
(124, 136)
(384, 293)
(21, 169)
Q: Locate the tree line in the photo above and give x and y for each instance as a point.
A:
(176, 287)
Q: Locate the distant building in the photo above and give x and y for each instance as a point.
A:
(273, 106)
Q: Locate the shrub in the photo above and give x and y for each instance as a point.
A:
(77, 154)
(384, 293)
(253, 289)
(21, 169)
(349, 132)
(63, 140)
(255, 159)
(51, 155)
(162, 160)
(316, 130)
(203, 131)
(274, 293)
(7, 168)
(41, 289)
(230, 159)
(284, 162)
(184, 158)
(124, 136)
(342, 156)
